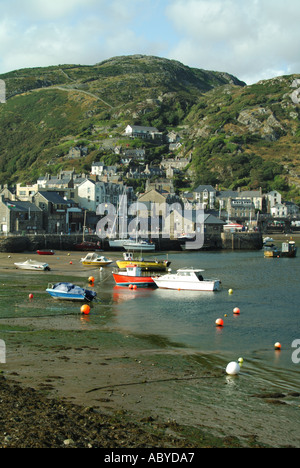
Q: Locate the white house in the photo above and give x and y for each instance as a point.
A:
(97, 168)
(205, 194)
(90, 194)
(279, 210)
(274, 197)
(148, 133)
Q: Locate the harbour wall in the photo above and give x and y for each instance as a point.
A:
(31, 243)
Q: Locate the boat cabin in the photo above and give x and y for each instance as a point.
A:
(190, 272)
(133, 270)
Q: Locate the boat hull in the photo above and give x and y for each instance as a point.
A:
(95, 264)
(146, 266)
(66, 297)
(45, 252)
(36, 267)
(70, 292)
(126, 280)
(136, 247)
(206, 285)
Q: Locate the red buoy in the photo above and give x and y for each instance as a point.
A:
(219, 322)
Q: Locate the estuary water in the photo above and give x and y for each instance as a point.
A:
(267, 292)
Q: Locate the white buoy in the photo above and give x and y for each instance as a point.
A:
(233, 368)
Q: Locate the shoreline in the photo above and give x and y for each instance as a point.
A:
(167, 394)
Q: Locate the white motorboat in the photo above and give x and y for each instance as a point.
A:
(33, 265)
(139, 245)
(187, 279)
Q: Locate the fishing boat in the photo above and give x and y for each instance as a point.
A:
(187, 279)
(147, 264)
(32, 265)
(288, 250)
(134, 276)
(45, 252)
(70, 292)
(93, 259)
(139, 245)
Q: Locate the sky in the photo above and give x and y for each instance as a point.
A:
(251, 39)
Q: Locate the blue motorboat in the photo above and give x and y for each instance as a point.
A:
(70, 292)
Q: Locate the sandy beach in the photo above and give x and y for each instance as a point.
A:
(151, 393)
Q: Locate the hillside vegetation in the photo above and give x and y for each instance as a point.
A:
(238, 135)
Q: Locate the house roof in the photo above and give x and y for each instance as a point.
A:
(140, 128)
(24, 206)
(202, 188)
(53, 197)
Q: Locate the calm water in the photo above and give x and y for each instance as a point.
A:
(266, 291)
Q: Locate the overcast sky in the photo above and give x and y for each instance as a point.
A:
(251, 39)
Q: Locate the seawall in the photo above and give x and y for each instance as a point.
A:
(31, 243)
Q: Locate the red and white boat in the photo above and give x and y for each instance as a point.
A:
(133, 275)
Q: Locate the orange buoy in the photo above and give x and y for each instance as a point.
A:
(236, 310)
(134, 286)
(219, 322)
(85, 309)
(91, 279)
(277, 346)
(71, 263)
(30, 296)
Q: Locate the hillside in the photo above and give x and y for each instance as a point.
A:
(238, 135)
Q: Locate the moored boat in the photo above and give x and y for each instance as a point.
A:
(146, 264)
(132, 275)
(93, 259)
(45, 252)
(70, 292)
(32, 265)
(86, 246)
(187, 279)
(117, 243)
(139, 245)
(288, 250)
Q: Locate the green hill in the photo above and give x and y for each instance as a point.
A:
(238, 135)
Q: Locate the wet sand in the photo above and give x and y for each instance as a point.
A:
(171, 396)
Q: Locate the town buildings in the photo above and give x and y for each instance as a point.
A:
(64, 202)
